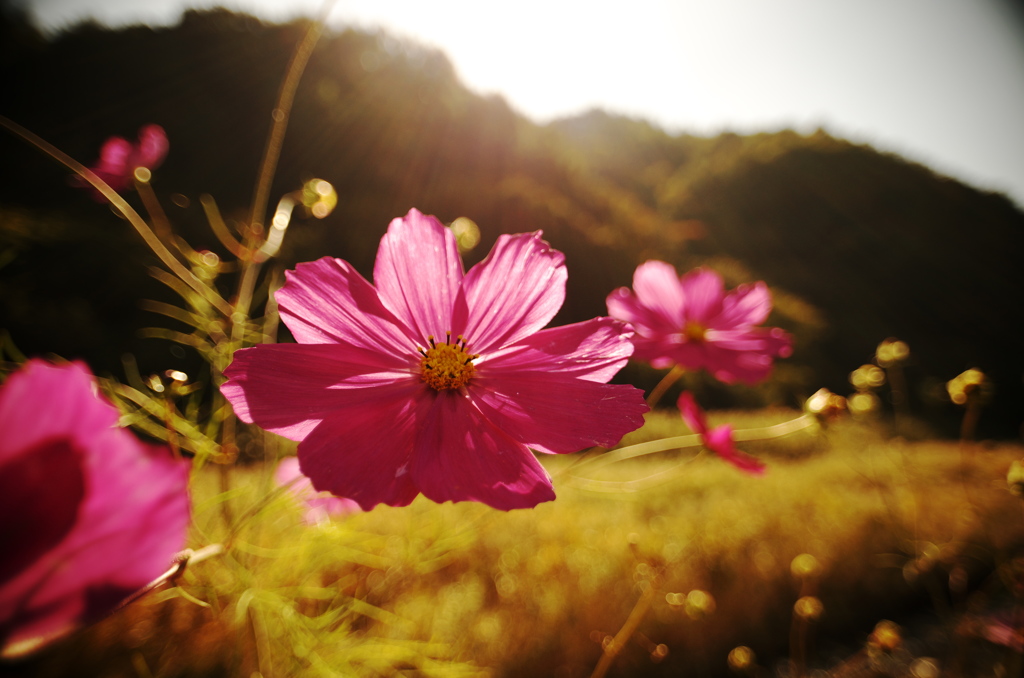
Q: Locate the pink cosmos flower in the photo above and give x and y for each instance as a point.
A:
(718, 439)
(694, 323)
(436, 381)
(119, 157)
(319, 507)
(88, 514)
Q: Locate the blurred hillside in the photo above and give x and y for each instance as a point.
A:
(857, 245)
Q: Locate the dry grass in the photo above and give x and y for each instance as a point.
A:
(462, 589)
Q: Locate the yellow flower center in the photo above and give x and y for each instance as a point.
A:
(694, 331)
(448, 365)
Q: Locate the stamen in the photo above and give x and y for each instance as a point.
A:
(694, 331)
(449, 365)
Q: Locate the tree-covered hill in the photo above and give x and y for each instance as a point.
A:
(856, 244)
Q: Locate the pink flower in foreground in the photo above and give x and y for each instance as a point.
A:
(319, 507)
(436, 381)
(718, 439)
(88, 514)
(119, 157)
(694, 323)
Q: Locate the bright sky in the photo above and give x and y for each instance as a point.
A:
(938, 81)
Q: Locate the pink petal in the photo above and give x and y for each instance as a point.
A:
(655, 337)
(152, 147)
(719, 441)
(364, 451)
(594, 350)
(318, 507)
(287, 474)
(703, 291)
(44, 518)
(137, 508)
(321, 507)
(512, 293)
(657, 286)
(112, 166)
(744, 306)
(661, 350)
(623, 305)
(327, 301)
(41, 401)
(418, 273)
(693, 415)
(553, 413)
(460, 456)
(135, 505)
(744, 355)
(290, 388)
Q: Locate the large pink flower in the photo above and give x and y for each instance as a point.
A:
(88, 514)
(718, 439)
(694, 323)
(119, 158)
(436, 381)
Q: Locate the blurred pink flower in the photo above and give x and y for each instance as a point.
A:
(436, 381)
(89, 513)
(694, 323)
(719, 439)
(319, 507)
(119, 157)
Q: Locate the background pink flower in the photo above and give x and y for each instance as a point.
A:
(89, 513)
(718, 439)
(694, 323)
(119, 157)
(319, 507)
(436, 381)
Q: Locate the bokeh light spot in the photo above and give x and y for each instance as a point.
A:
(467, 233)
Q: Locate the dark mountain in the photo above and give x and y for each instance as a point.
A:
(857, 245)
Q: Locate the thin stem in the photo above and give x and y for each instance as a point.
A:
(271, 155)
(640, 449)
(285, 99)
(611, 650)
(693, 440)
(219, 228)
(161, 224)
(663, 385)
(775, 430)
(177, 568)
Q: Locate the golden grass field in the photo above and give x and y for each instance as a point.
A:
(669, 573)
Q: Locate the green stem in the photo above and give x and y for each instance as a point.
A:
(614, 647)
(280, 114)
(663, 385)
(271, 155)
(694, 440)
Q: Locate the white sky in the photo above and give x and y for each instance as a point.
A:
(938, 81)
